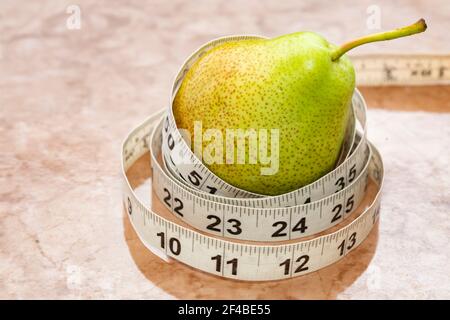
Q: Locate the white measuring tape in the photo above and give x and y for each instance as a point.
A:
(225, 218)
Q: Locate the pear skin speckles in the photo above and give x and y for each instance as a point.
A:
(287, 83)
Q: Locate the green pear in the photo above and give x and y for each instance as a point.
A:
(298, 84)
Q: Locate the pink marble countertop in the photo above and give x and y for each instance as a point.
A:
(69, 96)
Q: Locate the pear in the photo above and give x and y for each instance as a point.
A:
(298, 85)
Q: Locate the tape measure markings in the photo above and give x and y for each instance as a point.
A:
(172, 237)
(328, 202)
(233, 215)
(398, 69)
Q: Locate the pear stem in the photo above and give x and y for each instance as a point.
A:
(418, 27)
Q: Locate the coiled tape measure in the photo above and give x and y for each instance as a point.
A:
(242, 235)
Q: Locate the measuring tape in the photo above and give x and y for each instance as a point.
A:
(237, 234)
(396, 69)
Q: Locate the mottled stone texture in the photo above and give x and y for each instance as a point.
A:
(68, 97)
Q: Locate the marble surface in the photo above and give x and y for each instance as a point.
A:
(68, 98)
